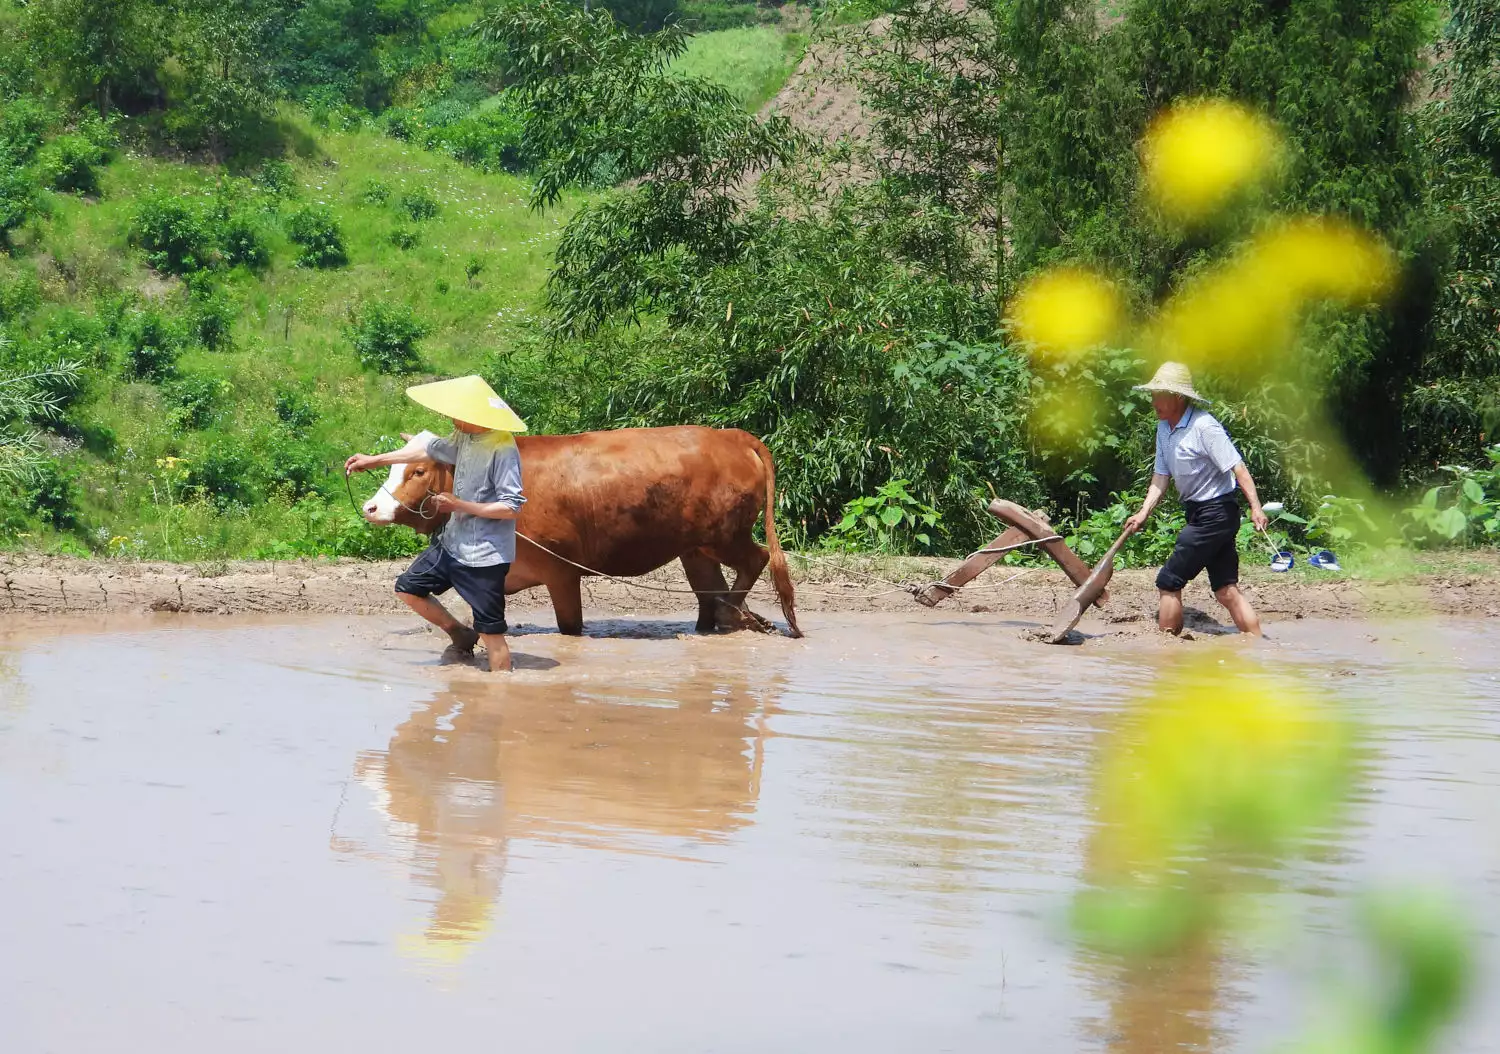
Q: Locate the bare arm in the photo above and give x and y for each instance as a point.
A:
(1154, 494)
(1257, 514)
(413, 451)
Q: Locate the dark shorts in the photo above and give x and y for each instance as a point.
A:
(483, 588)
(1208, 541)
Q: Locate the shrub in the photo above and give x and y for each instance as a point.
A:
(222, 471)
(295, 409)
(403, 237)
(23, 126)
(419, 204)
(151, 347)
(55, 388)
(17, 199)
(67, 164)
(385, 335)
(374, 192)
(51, 491)
(198, 401)
(243, 239)
(174, 233)
(19, 297)
(491, 141)
(213, 313)
(277, 178)
(315, 230)
(293, 468)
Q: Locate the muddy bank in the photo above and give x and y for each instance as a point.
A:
(1467, 587)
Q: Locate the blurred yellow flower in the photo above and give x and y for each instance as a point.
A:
(1218, 757)
(1067, 310)
(1242, 315)
(1199, 154)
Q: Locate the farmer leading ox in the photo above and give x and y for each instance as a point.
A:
(475, 548)
(615, 503)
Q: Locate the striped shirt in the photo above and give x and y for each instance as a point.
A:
(486, 469)
(1198, 454)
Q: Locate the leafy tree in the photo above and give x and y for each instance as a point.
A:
(1456, 403)
(600, 94)
(224, 49)
(107, 53)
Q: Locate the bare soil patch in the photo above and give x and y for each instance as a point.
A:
(1459, 586)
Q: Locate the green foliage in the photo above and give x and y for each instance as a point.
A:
(277, 178)
(24, 124)
(198, 401)
(403, 237)
(174, 233)
(374, 192)
(243, 239)
(104, 53)
(51, 492)
(152, 344)
(319, 237)
(69, 162)
(1095, 532)
(418, 204)
(222, 473)
(385, 336)
(212, 314)
(17, 199)
(1466, 510)
(297, 411)
(888, 521)
(26, 395)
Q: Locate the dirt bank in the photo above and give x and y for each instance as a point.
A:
(1467, 586)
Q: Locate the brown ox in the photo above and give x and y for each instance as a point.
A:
(624, 503)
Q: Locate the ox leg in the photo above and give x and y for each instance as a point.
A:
(705, 576)
(567, 604)
(748, 559)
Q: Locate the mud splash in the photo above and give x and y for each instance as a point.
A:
(246, 835)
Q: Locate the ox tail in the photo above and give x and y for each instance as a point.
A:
(781, 576)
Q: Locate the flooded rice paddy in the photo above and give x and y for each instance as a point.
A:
(226, 835)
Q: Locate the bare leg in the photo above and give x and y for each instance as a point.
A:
(1240, 609)
(499, 651)
(1169, 613)
(462, 636)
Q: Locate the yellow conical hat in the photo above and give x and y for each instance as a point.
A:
(468, 399)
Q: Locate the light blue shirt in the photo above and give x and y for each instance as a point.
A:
(1198, 454)
(486, 469)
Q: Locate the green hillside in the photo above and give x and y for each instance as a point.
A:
(76, 283)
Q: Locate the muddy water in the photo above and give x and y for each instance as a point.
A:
(302, 835)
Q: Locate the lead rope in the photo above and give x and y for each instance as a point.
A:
(911, 587)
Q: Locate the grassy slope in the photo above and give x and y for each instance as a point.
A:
(481, 215)
(290, 332)
(752, 62)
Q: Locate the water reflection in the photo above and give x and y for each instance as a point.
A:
(482, 766)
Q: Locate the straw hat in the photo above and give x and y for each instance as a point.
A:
(1172, 377)
(470, 400)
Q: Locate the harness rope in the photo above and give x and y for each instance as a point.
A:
(718, 594)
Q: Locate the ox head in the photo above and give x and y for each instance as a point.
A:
(403, 498)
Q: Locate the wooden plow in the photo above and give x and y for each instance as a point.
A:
(1024, 528)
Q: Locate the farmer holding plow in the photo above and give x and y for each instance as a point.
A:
(1196, 453)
